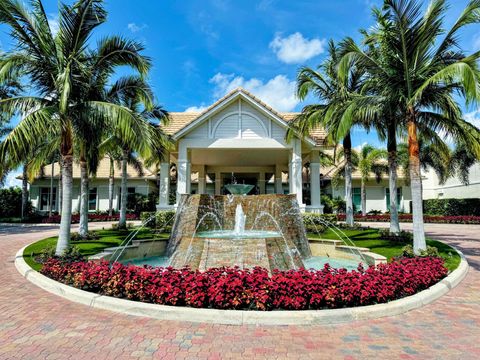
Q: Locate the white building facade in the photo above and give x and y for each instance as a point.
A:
(237, 139)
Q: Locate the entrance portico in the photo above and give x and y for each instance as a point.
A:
(241, 139)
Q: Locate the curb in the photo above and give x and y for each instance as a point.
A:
(241, 317)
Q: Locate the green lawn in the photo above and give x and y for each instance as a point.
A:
(108, 238)
(371, 239)
(364, 238)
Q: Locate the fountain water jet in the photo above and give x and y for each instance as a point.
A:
(199, 244)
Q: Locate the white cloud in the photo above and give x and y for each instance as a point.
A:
(359, 147)
(196, 109)
(11, 179)
(278, 92)
(134, 28)
(473, 118)
(264, 5)
(295, 49)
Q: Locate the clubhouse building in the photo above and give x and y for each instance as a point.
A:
(237, 139)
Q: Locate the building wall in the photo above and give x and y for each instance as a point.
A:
(453, 188)
(142, 186)
(376, 195)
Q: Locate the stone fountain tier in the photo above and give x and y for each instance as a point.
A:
(283, 247)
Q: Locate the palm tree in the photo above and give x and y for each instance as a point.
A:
(335, 93)
(136, 95)
(57, 66)
(367, 160)
(421, 68)
(370, 161)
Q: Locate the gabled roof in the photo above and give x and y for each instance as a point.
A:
(180, 121)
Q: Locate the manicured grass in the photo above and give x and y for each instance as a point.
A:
(371, 239)
(12, 220)
(107, 238)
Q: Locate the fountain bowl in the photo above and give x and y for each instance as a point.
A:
(239, 189)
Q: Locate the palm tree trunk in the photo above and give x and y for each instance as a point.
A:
(416, 185)
(347, 150)
(24, 191)
(122, 223)
(50, 200)
(392, 179)
(83, 228)
(59, 204)
(111, 181)
(364, 198)
(65, 223)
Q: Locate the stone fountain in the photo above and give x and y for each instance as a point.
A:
(238, 230)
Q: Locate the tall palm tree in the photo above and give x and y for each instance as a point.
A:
(57, 66)
(368, 160)
(422, 67)
(335, 92)
(136, 95)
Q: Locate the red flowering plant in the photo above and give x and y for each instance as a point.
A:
(55, 219)
(252, 289)
(460, 219)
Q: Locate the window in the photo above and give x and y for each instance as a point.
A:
(399, 197)
(130, 190)
(92, 199)
(45, 198)
(357, 199)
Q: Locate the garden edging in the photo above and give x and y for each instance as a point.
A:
(241, 317)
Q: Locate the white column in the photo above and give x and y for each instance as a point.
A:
(201, 179)
(295, 173)
(183, 171)
(218, 183)
(278, 179)
(261, 182)
(189, 177)
(164, 189)
(316, 204)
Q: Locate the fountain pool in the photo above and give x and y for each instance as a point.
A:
(314, 262)
(243, 231)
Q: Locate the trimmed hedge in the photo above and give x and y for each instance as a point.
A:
(252, 289)
(452, 207)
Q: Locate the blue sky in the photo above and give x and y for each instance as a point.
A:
(202, 49)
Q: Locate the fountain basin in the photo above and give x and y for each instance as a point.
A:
(229, 234)
(239, 189)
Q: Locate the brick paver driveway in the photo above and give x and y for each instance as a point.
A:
(36, 325)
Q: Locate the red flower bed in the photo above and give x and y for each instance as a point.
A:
(255, 289)
(55, 219)
(408, 218)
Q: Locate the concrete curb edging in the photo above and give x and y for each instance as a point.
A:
(238, 317)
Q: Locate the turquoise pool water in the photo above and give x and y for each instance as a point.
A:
(315, 262)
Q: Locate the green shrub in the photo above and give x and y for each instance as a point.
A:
(92, 235)
(333, 205)
(316, 222)
(431, 251)
(160, 220)
(403, 236)
(452, 207)
(11, 203)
